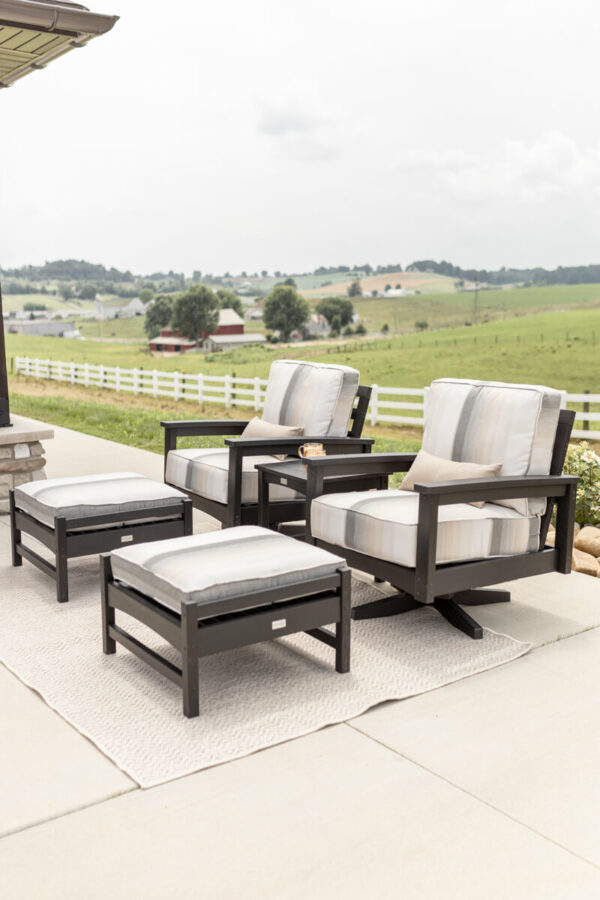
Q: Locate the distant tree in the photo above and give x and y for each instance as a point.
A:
(30, 306)
(264, 273)
(195, 312)
(86, 292)
(158, 316)
(348, 331)
(336, 306)
(66, 291)
(360, 329)
(355, 289)
(277, 274)
(285, 310)
(229, 300)
(385, 328)
(422, 325)
(388, 287)
(398, 287)
(336, 326)
(146, 295)
(289, 282)
(196, 275)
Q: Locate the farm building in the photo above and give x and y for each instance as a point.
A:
(42, 327)
(230, 326)
(216, 342)
(171, 343)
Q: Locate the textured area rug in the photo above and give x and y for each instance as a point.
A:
(249, 699)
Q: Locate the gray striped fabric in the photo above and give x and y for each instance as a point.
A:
(219, 565)
(206, 472)
(491, 422)
(114, 492)
(317, 396)
(383, 524)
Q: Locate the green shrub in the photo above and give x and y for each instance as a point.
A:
(582, 461)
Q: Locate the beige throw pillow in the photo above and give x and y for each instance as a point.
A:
(258, 428)
(428, 467)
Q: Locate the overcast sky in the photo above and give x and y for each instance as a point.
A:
(269, 135)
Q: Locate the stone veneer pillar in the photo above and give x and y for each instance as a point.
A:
(21, 455)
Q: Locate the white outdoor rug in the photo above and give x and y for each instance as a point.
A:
(249, 699)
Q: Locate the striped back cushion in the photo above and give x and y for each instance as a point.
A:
(317, 396)
(490, 422)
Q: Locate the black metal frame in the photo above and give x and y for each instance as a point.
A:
(205, 628)
(452, 585)
(174, 520)
(234, 512)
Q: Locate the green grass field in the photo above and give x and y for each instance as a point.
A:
(11, 302)
(443, 310)
(561, 349)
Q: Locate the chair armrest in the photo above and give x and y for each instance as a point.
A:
(361, 463)
(491, 489)
(272, 446)
(197, 427)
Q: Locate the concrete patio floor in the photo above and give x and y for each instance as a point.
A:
(486, 788)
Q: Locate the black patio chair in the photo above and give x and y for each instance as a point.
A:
(325, 400)
(431, 544)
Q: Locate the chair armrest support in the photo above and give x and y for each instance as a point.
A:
(493, 489)
(197, 427)
(272, 446)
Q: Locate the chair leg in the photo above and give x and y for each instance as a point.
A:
(453, 613)
(62, 571)
(109, 645)
(15, 533)
(481, 596)
(342, 628)
(189, 661)
(387, 606)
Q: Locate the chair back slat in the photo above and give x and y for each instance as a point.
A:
(359, 410)
(566, 420)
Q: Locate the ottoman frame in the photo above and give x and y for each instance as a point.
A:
(212, 627)
(174, 520)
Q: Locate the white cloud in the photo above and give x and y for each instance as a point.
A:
(290, 117)
(552, 166)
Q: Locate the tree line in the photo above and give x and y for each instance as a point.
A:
(589, 274)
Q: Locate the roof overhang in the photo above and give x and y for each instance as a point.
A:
(34, 32)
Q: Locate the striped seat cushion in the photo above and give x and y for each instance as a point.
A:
(490, 422)
(317, 396)
(206, 472)
(383, 524)
(91, 495)
(220, 565)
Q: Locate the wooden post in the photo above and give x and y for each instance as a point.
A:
(586, 409)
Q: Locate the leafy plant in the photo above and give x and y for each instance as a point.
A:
(582, 461)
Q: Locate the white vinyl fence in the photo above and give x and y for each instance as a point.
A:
(394, 405)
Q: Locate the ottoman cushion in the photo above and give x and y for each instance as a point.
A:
(220, 565)
(89, 495)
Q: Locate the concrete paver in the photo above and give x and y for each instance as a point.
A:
(524, 737)
(333, 814)
(47, 768)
